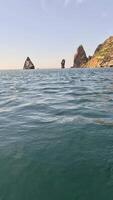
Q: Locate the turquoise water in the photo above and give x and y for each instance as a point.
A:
(56, 134)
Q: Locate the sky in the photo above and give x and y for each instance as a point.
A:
(49, 30)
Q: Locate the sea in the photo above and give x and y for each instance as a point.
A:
(56, 134)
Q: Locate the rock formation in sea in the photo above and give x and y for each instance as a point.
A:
(28, 64)
(103, 55)
(63, 64)
(80, 58)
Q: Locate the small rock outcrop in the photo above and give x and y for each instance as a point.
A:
(63, 64)
(80, 58)
(28, 64)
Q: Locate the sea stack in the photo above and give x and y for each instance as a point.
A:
(63, 64)
(80, 58)
(28, 64)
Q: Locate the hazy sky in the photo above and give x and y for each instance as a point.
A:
(49, 30)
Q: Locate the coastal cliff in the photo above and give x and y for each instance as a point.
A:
(103, 56)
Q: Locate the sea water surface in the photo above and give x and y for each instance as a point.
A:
(56, 134)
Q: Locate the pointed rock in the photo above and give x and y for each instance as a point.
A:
(80, 57)
(63, 64)
(28, 64)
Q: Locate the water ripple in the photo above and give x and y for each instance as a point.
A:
(56, 132)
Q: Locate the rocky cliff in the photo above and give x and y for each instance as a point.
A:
(80, 58)
(103, 55)
(28, 64)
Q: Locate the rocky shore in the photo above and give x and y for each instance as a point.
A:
(102, 57)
